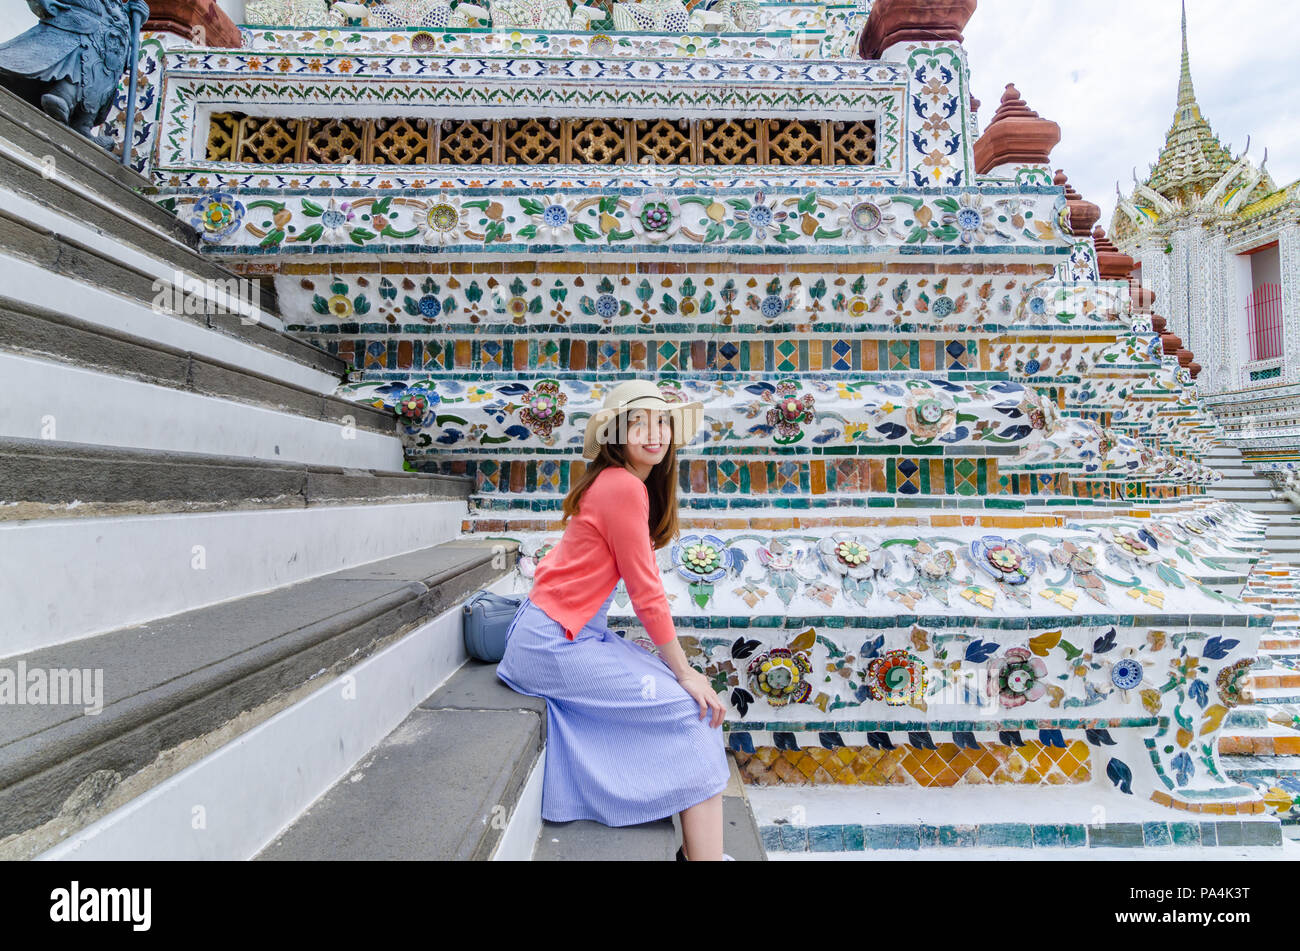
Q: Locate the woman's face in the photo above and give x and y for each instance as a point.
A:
(649, 433)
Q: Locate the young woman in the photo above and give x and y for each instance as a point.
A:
(630, 736)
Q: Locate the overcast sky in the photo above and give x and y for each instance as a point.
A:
(1107, 72)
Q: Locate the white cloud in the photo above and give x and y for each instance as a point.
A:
(1107, 73)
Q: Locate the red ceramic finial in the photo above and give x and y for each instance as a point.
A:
(1017, 134)
(1111, 264)
(1083, 214)
(913, 21)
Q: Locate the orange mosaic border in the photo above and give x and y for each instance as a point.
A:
(1032, 764)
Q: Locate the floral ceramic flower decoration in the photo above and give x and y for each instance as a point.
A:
(414, 408)
(781, 557)
(974, 220)
(781, 676)
(701, 560)
(1128, 672)
(217, 215)
(543, 408)
(934, 569)
(868, 220)
(552, 217)
(898, 677)
(1038, 412)
(656, 216)
(336, 221)
(441, 219)
(1007, 562)
(1018, 678)
(761, 215)
(789, 413)
(1233, 682)
(856, 561)
(1128, 546)
(1081, 560)
(928, 417)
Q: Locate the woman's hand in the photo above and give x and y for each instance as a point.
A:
(698, 686)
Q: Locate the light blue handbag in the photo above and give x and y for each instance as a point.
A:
(486, 619)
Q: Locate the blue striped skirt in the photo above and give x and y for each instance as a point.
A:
(624, 742)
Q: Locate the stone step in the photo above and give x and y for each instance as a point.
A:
(174, 687)
(82, 577)
(442, 786)
(585, 841)
(41, 478)
(48, 170)
(831, 820)
(95, 282)
(29, 133)
(83, 257)
(43, 398)
(470, 747)
(62, 206)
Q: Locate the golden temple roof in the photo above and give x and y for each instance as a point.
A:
(1192, 159)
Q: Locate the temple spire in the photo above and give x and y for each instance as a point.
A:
(1188, 108)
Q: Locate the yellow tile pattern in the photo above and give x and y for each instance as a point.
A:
(946, 765)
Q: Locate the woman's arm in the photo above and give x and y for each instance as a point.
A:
(623, 514)
(624, 519)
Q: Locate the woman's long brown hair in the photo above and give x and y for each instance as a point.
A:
(661, 484)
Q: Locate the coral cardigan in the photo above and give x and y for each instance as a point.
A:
(608, 539)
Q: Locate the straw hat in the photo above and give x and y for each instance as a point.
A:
(641, 394)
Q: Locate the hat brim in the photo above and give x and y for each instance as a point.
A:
(689, 417)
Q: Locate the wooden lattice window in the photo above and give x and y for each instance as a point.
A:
(795, 142)
(660, 142)
(334, 141)
(467, 142)
(729, 142)
(855, 143)
(271, 140)
(598, 141)
(533, 142)
(223, 132)
(401, 142)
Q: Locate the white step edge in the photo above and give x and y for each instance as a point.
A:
(66, 579)
(524, 830)
(40, 399)
(109, 246)
(256, 786)
(38, 164)
(65, 295)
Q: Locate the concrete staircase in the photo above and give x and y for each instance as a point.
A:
(203, 545)
(1261, 745)
(1254, 492)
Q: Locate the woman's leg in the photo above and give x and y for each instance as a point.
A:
(702, 830)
